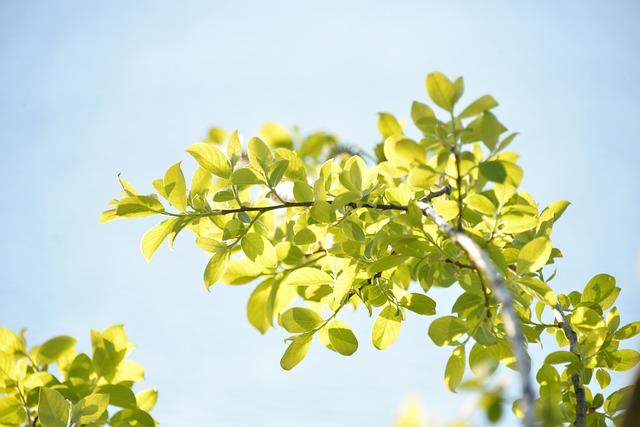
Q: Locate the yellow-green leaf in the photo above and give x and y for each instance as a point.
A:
(455, 368)
(534, 255)
(479, 106)
(210, 158)
(53, 408)
(300, 319)
(175, 187)
(215, 268)
(342, 338)
(296, 351)
(309, 276)
(259, 249)
(153, 238)
(446, 330)
(441, 91)
(386, 327)
(89, 409)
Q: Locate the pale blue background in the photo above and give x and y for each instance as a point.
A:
(89, 89)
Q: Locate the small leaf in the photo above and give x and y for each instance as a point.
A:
(386, 263)
(441, 91)
(153, 238)
(561, 356)
(388, 125)
(386, 327)
(302, 192)
(278, 169)
(89, 409)
(54, 348)
(603, 377)
(245, 176)
(53, 408)
(342, 338)
(259, 154)
(259, 249)
(215, 268)
(446, 330)
(419, 303)
(210, 159)
(534, 255)
(308, 276)
(234, 149)
(296, 351)
(138, 207)
(455, 368)
(300, 319)
(175, 187)
(119, 395)
(479, 106)
(627, 331)
(147, 398)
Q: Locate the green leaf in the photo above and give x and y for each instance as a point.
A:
(626, 360)
(419, 303)
(603, 377)
(480, 203)
(441, 91)
(455, 368)
(276, 135)
(300, 319)
(599, 288)
(423, 117)
(386, 327)
(153, 238)
(54, 348)
(404, 152)
(342, 338)
(538, 289)
(278, 169)
(89, 409)
(259, 154)
(484, 360)
(617, 400)
(388, 125)
(302, 192)
(259, 249)
(479, 106)
(132, 417)
(119, 395)
(491, 130)
(534, 255)
(147, 398)
(260, 300)
(12, 412)
(627, 331)
(245, 176)
(175, 187)
(215, 268)
(128, 190)
(53, 408)
(296, 351)
(10, 342)
(466, 301)
(234, 149)
(344, 282)
(386, 263)
(138, 207)
(308, 276)
(445, 330)
(585, 320)
(210, 159)
(241, 271)
(561, 356)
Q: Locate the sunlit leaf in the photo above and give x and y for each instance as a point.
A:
(211, 159)
(386, 327)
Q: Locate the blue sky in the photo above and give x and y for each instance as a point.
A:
(89, 89)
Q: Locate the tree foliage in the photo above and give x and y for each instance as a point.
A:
(443, 210)
(91, 390)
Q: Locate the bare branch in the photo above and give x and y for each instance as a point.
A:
(581, 403)
(484, 266)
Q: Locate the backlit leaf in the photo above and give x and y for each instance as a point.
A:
(175, 187)
(210, 158)
(89, 409)
(534, 255)
(296, 351)
(386, 327)
(479, 106)
(53, 408)
(419, 303)
(441, 91)
(446, 330)
(259, 249)
(342, 338)
(153, 238)
(138, 207)
(455, 368)
(308, 276)
(300, 319)
(215, 268)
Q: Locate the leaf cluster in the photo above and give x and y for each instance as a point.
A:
(88, 390)
(335, 233)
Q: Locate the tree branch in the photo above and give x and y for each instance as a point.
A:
(485, 267)
(581, 403)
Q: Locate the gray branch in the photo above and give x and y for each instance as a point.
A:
(581, 403)
(484, 266)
